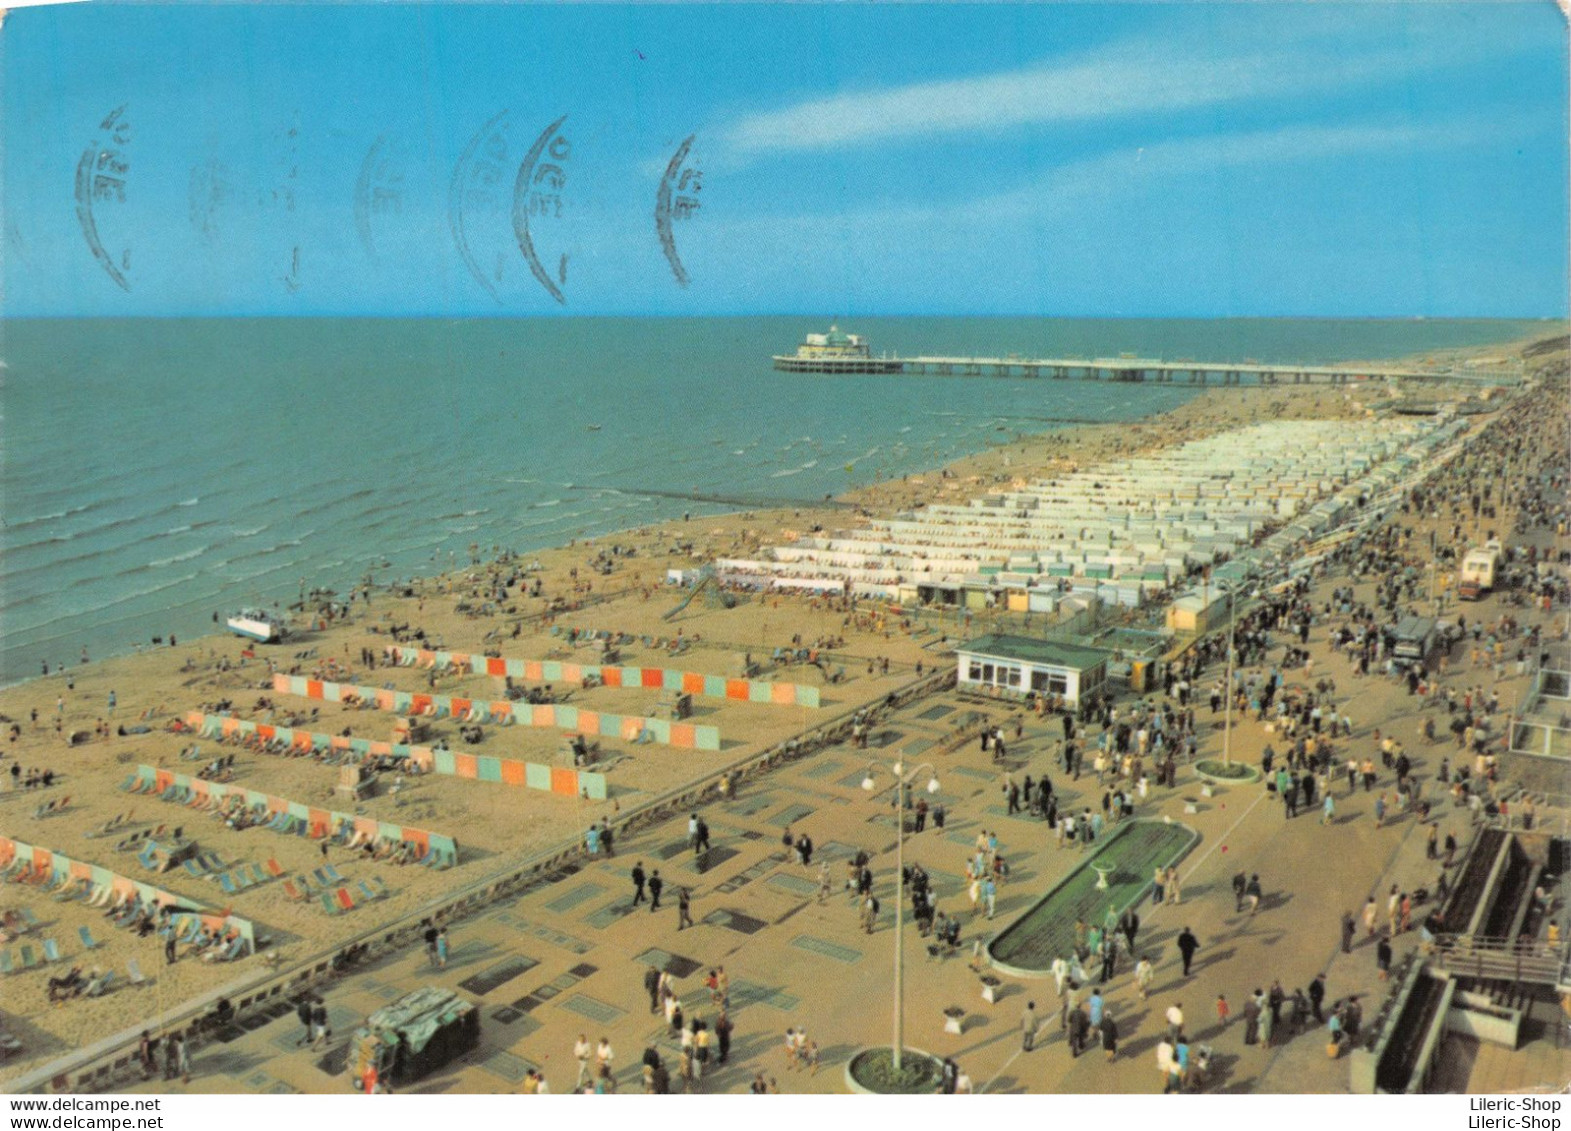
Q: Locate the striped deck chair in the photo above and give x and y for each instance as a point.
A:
(328, 903)
(274, 868)
(256, 875)
(51, 951)
(242, 879)
(345, 900)
(8, 963)
(227, 881)
(292, 891)
(332, 874)
(320, 876)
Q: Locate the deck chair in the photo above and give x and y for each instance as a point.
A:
(146, 859)
(332, 874)
(327, 902)
(292, 891)
(256, 875)
(345, 900)
(133, 972)
(379, 887)
(51, 951)
(29, 958)
(193, 869)
(227, 882)
(320, 876)
(8, 963)
(101, 985)
(128, 783)
(274, 868)
(29, 920)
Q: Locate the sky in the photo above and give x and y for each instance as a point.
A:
(1154, 160)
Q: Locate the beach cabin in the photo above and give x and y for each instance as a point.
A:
(1022, 665)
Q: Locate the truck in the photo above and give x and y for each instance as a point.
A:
(1477, 575)
(1414, 639)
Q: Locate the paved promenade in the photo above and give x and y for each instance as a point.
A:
(570, 956)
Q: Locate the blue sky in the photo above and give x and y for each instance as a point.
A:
(1203, 160)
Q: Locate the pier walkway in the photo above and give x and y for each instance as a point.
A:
(1137, 370)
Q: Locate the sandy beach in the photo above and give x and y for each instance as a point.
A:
(617, 584)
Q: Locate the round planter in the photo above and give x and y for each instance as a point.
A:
(877, 1056)
(1211, 770)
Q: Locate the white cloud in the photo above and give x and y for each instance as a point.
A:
(1132, 78)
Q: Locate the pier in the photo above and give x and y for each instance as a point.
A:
(1139, 370)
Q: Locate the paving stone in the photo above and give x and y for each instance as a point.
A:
(790, 815)
(593, 1008)
(570, 900)
(676, 964)
(823, 768)
(734, 921)
(500, 1062)
(826, 948)
(487, 980)
(793, 884)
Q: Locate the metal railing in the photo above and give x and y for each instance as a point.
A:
(1515, 960)
(101, 1064)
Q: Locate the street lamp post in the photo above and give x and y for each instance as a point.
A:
(903, 779)
(1227, 717)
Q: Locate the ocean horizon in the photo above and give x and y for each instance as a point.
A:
(158, 471)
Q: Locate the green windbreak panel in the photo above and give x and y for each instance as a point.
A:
(445, 762)
(537, 776)
(386, 830)
(490, 768)
(593, 785)
(714, 686)
(671, 679)
(567, 718)
(759, 692)
(515, 668)
(299, 809)
(360, 745)
(611, 726)
(551, 669)
(659, 729)
(806, 696)
(402, 701)
(708, 738)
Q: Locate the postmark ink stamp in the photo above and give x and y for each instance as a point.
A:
(677, 201)
(101, 187)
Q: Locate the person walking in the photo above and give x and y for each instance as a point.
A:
(1187, 945)
(638, 882)
(684, 908)
(1028, 1027)
(182, 1058)
(1174, 895)
(1109, 1029)
(1252, 893)
(1383, 957)
(441, 948)
(1349, 929)
(1240, 882)
(1175, 1020)
(652, 987)
(656, 886)
(723, 1029)
(1327, 809)
(1145, 974)
(1317, 994)
(582, 1051)
(303, 1012)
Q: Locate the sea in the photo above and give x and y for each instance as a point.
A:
(158, 471)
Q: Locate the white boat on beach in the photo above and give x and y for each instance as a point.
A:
(257, 624)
